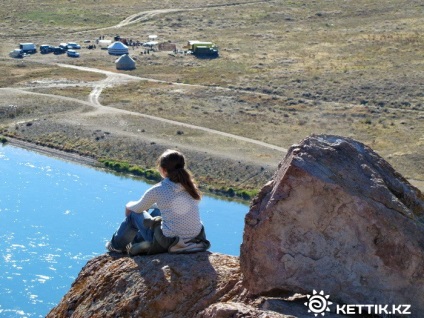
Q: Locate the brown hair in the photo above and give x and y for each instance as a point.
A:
(174, 163)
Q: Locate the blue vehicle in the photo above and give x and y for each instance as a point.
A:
(28, 48)
(72, 53)
(64, 46)
(45, 49)
(58, 50)
(73, 46)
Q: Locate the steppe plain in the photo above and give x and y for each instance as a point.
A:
(287, 69)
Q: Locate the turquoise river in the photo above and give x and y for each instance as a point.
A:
(56, 215)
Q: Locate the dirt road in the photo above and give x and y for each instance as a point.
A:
(113, 79)
(147, 15)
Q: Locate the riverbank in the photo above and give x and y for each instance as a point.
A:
(147, 174)
(73, 157)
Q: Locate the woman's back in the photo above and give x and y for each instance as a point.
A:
(179, 210)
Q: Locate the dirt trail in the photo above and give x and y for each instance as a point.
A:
(147, 15)
(25, 91)
(144, 16)
(119, 79)
(113, 79)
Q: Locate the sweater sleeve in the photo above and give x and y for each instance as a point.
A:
(144, 203)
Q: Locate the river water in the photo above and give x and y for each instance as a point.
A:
(56, 215)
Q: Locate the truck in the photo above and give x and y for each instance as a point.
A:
(191, 45)
(28, 48)
(203, 49)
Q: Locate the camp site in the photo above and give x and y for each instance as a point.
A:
(117, 45)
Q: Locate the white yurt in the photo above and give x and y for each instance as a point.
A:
(125, 62)
(117, 48)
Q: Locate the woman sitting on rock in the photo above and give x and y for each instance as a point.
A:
(174, 225)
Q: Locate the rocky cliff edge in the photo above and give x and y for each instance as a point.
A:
(335, 218)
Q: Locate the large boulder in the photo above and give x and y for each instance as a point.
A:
(336, 217)
(149, 286)
(203, 285)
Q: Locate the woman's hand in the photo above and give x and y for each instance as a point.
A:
(127, 211)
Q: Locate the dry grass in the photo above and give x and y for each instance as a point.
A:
(288, 69)
(24, 73)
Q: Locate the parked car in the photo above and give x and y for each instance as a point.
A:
(45, 48)
(72, 53)
(58, 50)
(64, 46)
(17, 53)
(73, 46)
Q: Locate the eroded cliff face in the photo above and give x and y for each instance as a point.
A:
(337, 217)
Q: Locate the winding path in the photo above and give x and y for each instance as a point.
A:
(118, 79)
(147, 15)
(113, 79)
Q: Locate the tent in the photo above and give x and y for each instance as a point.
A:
(150, 44)
(104, 43)
(125, 62)
(117, 48)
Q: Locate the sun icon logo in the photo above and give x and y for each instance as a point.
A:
(318, 303)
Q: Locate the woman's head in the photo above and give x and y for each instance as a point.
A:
(172, 162)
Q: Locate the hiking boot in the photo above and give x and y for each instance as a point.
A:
(110, 248)
(138, 248)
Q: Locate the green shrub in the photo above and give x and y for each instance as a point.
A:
(136, 170)
(125, 167)
(234, 193)
(246, 194)
(152, 174)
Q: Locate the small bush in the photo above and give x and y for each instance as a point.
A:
(234, 193)
(125, 167)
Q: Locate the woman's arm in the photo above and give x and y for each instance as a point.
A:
(144, 203)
